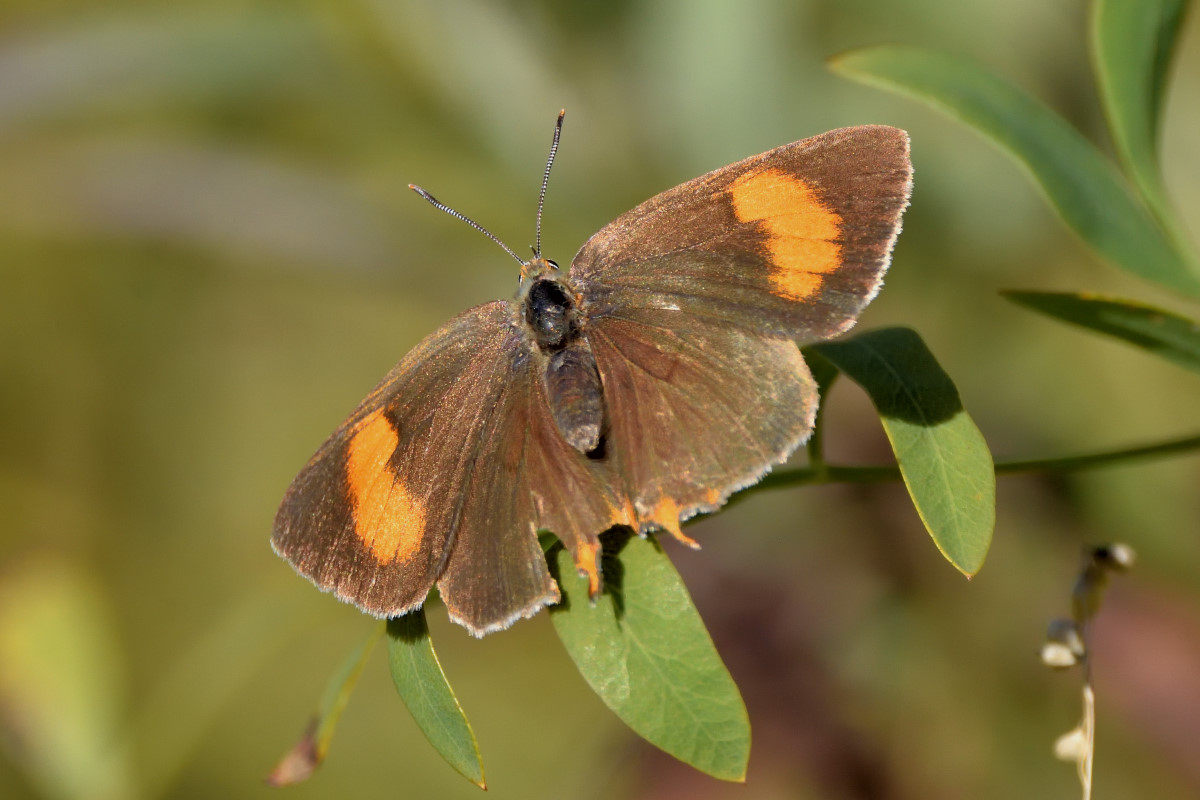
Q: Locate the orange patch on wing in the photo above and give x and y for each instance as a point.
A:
(666, 516)
(622, 514)
(388, 519)
(586, 563)
(802, 232)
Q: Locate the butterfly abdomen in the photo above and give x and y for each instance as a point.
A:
(575, 394)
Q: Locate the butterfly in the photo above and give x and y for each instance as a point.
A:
(644, 384)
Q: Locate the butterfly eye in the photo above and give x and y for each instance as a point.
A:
(552, 263)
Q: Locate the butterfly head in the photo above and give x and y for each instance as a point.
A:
(537, 267)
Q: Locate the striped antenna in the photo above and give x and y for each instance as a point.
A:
(433, 201)
(537, 251)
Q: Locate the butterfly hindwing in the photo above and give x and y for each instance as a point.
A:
(525, 478)
(696, 410)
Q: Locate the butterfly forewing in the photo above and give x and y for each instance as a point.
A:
(374, 513)
(792, 242)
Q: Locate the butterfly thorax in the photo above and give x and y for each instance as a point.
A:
(554, 325)
(551, 313)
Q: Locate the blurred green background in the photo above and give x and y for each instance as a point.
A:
(208, 255)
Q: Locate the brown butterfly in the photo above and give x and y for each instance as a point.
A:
(645, 384)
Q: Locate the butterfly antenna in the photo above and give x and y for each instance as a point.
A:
(537, 251)
(433, 201)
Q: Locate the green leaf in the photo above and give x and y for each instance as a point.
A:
(301, 761)
(943, 458)
(645, 651)
(422, 685)
(1168, 335)
(1132, 43)
(1085, 188)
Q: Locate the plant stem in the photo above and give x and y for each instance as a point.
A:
(1102, 459)
(827, 473)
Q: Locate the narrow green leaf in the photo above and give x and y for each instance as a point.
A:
(423, 687)
(943, 458)
(645, 651)
(1083, 186)
(1168, 335)
(302, 760)
(1132, 44)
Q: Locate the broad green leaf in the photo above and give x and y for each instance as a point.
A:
(1085, 188)
(1171, 336)
(423, 687)
(62, 682)
(943, 458)
(1132, 43)
(301, 761)
(645, 651)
